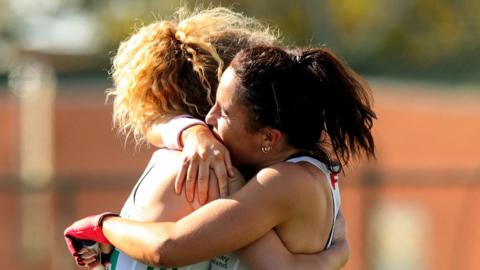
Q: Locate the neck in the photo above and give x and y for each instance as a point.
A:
(277, 156)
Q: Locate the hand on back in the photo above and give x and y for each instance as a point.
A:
(202, 155)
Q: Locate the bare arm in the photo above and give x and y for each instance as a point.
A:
(167, 133)
(266, 253)
(269, 252)
(250, 213)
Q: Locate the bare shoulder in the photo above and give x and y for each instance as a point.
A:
(287, 187)
(286, 176)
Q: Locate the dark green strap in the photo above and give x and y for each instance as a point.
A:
(114, 259)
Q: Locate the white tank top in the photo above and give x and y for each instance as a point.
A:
(231, 262)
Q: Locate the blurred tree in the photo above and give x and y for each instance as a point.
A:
(7, 18)
(409, 38)
(437, 39)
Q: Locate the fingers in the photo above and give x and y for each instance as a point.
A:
(221, 173)
(90, 260)
(340, 227)
(228, 164)
(190, 180)
(79, 261)
(88, 256)
(197, 161)
(213, 189)
(83, 251)
(180, 180)
(202, 182)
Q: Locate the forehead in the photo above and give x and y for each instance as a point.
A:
(228, 88)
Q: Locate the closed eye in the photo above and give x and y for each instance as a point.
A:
(223, 112)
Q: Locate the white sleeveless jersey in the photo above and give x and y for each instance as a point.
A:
(231, 262)
(121, 261)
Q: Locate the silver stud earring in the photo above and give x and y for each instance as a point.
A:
(266, 149)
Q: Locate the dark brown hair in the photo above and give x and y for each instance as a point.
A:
(319, 103)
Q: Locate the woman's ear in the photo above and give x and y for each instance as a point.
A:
(271, 137)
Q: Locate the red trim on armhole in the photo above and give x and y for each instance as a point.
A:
(333, 180)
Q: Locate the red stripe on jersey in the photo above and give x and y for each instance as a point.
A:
(333, 180)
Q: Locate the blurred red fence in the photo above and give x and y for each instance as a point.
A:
(413, 208)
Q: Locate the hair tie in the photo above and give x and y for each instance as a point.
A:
(297, 59)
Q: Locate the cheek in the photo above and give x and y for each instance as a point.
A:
(222, 128)
(242, 147)
(227, 133)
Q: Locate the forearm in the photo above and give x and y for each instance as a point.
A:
(184, 242)
(219, 227)
(170, 134)
(139, 240)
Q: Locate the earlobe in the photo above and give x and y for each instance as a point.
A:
(266, 149)
(267, 140)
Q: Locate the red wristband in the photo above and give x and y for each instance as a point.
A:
(89, 228)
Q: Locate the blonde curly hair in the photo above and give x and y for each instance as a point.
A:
(172, 67)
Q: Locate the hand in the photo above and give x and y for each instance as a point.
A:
(89, 228)
(87, 257)
(95, 258)
(340, 232)
(338, 254)
(202, 152)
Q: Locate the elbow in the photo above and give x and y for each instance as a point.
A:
(155, 259)
(161, 254)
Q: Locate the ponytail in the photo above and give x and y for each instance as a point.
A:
(348, 116)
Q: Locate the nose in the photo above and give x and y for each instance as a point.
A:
(211, 118)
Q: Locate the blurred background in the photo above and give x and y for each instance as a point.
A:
(415, 207)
